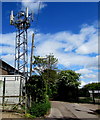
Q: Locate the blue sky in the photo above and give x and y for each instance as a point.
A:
(68, 30)
(57, 16)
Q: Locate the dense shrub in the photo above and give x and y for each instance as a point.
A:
(68, 82)
(85, 100)
(40, 109)
(36, 87)
(83, 92)
(50, 76)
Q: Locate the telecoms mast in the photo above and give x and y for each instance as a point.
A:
(22, 22)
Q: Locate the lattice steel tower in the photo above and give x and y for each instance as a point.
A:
(21, 21)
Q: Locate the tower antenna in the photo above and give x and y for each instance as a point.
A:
(22, 21)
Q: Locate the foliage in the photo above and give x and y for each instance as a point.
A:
(51, 62)
(92, 86)
(85, 100)
(36, 87)
(28, 115)
(0, 82)
(69, 78)
(46, 67)
(61, 85)
(68, 82)
(50, 76)
(40, 109)
(43, 63)
(83, 92)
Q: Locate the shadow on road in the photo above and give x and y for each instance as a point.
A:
(50, 119)
(62, 119)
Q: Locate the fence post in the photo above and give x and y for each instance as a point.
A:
(20, 89)
(3, 100)
(93, 96)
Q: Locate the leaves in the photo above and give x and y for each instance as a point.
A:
(36, 87)
(69, 78)
(92, 86)
(43, 63)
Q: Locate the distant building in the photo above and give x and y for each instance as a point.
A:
(95, 92)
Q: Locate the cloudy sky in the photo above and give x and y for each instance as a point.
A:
(69, 30)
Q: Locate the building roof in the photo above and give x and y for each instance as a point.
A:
(5, 66)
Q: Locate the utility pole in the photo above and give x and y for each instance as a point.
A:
(32, 54)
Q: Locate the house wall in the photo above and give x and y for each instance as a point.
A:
(3, 72)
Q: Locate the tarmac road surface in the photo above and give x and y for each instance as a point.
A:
(72, 111)
(63, 111)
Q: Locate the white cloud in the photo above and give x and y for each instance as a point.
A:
(82, 84)
(70, 49)
(62, 44)
(7, 49)
(7, 46)
(84, 71)
(89, 47)
(90, 44)
(33, 5)
(9, 59)
(8, 39)
(90, 76)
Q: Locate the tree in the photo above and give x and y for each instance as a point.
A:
(39, 103)
(68, 82)
(92, 86)
(83, 92)
(43, 63)
(50, 76)
(46, 67)
(36, 87)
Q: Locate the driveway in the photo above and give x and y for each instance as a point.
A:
(72, 111)
(63, 111)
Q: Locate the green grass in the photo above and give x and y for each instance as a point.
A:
(85, 100)
(0, 81)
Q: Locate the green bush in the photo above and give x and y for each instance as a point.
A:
(39, 109)
(36, 87)
(27, 115)
(85, 100)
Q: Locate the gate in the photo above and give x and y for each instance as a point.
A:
(11, 91)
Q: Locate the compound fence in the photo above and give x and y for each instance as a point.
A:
(11, 90)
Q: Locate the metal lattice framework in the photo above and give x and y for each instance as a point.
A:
(21, 52)
(22, 22)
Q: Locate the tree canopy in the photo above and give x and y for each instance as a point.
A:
(69, 78)
(58, 84)
(43, 63)
(92, 86)
(68, 82)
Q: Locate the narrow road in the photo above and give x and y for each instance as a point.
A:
(71, 111)
(63, 111)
